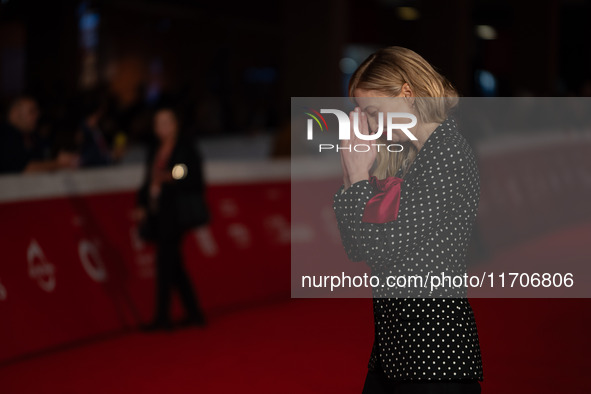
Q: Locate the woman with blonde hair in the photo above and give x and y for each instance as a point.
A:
(411, 211)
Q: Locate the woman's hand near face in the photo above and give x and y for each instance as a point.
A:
(356, 165)
(346, 181)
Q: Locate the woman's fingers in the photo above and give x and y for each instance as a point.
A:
(343, 164)
(343, 144)
(361, 124)
(358, 161)
(363, 127)
(352, 126)
(352, 115)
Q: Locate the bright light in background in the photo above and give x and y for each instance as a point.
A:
(486, 32)
(88, 24)
(154, 81)
(353, 56)
(88, 29)
(408, 13)
(348, 65)
(487, 83)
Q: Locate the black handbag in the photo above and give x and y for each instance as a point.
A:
(148, 228)
(192, 209)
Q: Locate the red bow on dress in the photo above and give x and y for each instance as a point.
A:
(383, 207)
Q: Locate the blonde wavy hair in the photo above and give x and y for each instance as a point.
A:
(386, 71)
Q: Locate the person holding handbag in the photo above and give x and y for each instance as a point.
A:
(171, 201)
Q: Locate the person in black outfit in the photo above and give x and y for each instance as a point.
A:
(426, 342)
(21, 149)
(173, 172)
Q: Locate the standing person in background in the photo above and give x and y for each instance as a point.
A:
(171, 201)
(20, 150)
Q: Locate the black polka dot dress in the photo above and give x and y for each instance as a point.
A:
(429, 334)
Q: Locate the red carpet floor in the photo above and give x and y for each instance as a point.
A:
(310, 346)
(322, 346)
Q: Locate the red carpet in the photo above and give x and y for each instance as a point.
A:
(298, 346)
(322, 346)
(310, 346)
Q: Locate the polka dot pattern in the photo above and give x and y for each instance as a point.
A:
(432, 335)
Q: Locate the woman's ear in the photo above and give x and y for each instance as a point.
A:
(408, 94)
(406, 90)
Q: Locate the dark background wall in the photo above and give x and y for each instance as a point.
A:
(245, 59)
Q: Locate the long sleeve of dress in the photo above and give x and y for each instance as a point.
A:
(427, 207)
(348, 207)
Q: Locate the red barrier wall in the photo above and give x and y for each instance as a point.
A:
(73, 266)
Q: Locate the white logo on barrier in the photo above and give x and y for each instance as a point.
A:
(280, 228)
(239, 232)
(206, 241)
(144, 259)
(40, 270)
(302, 233)
(91, 260)
(2, 292)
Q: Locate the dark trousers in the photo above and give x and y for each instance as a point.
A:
(171, 275)
(376, 382)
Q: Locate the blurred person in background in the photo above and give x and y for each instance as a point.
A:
(171, 201)
(95, 150)
(21, 149)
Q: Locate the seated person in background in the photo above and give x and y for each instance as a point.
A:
(94, 148)
(19, 147)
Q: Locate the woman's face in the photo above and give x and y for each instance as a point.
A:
(165, 124)
(376, 104)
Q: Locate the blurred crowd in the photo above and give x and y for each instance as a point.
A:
(82, 137)
(93, 129)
